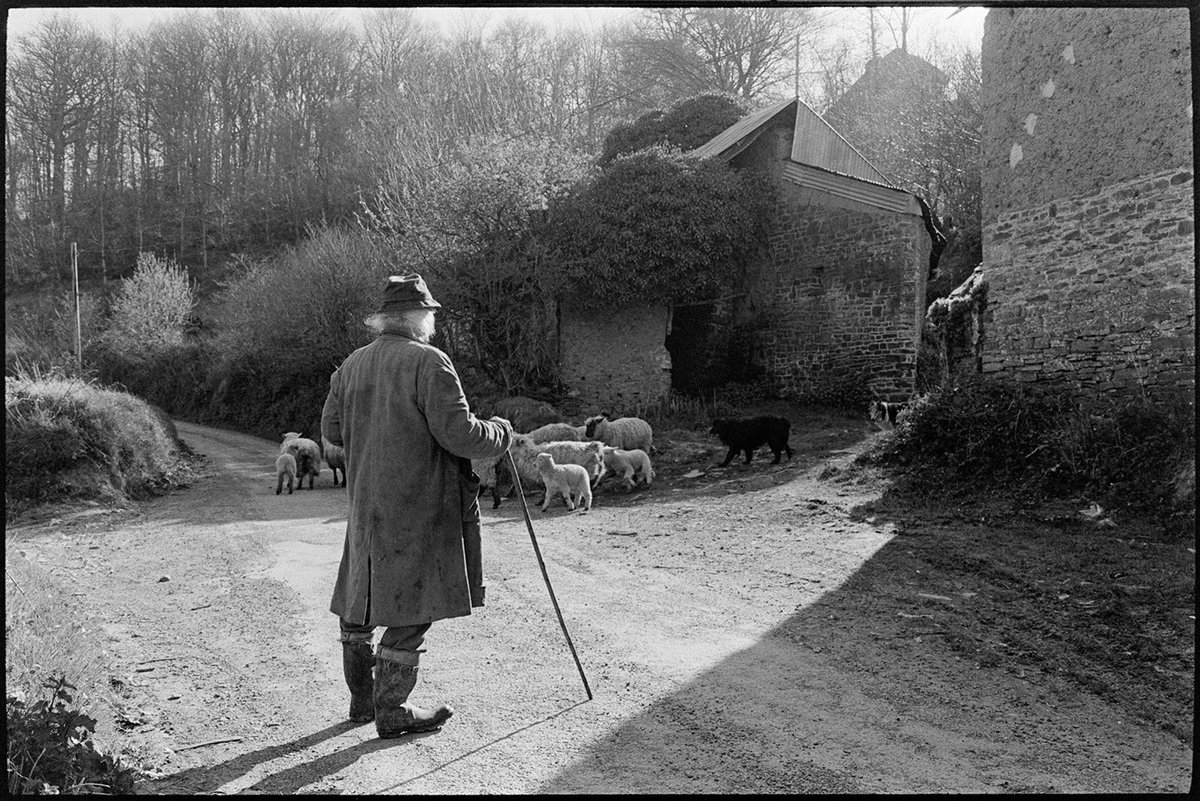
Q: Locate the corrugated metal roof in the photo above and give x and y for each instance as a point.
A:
(869, 192)
(818, 144)
(814, 142)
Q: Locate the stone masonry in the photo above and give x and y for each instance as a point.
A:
(1088, 182)
(839, 297)
(844, 285)
(615, 359)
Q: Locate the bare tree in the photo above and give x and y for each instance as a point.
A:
(739, 50)
(393, 41)
(52, 91)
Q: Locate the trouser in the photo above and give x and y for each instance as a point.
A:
(401, 638)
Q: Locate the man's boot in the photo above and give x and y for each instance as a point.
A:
(357, 660)
(395, 677)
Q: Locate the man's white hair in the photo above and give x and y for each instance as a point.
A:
(415, 323)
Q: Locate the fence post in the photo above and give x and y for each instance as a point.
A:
(78, 323)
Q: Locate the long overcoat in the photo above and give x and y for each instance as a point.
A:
(397, 407)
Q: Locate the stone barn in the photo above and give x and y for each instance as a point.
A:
(831, 308)
(1088, 206)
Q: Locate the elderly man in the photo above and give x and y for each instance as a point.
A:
(412, 539)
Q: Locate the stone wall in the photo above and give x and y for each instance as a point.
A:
(1089, 240)
(839, 294)
(615, 359)
(843, 296)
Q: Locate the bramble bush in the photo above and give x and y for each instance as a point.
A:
(51, 749)
(286, 323)
(1128, 451)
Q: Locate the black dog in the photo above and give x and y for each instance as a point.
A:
(750, 434)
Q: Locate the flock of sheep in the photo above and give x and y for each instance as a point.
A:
(571, 460)
(559, 458)
(300, 457)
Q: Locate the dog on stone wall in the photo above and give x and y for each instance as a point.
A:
(884, 414)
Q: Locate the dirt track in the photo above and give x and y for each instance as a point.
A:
(731, 628)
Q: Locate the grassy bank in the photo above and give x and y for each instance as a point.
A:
(71, 439)
(67, 440)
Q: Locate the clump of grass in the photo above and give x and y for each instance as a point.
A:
(674, 412)
(70, 438)
(43, 633)
(1124, 451)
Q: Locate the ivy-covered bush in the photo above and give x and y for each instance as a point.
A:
(656, 227)
(685, 125)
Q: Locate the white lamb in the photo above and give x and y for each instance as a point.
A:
(629, 464)
(570, 480)
(626, 433)
(557, 432)
(285, 467)
(307, 454)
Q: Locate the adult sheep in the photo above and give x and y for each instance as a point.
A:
(486, 470)
(557, 432)
(524, 453)
(307, 454)
(335, 457)
(525, 414)
(626, 433)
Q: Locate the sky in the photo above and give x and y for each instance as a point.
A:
(965, 27)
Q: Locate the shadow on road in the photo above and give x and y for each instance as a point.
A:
(474, 751)
(944, 663)
(210, 778)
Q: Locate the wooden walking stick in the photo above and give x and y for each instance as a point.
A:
(545, 576)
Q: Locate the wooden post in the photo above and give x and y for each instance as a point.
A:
(796, 69)
(78, 322)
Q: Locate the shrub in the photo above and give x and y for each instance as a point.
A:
(176, 378)
(267, 399)
(478, 233)
(306, 305)
(686, 125)
(1122, 451)
(51, 750)
(152, 308)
